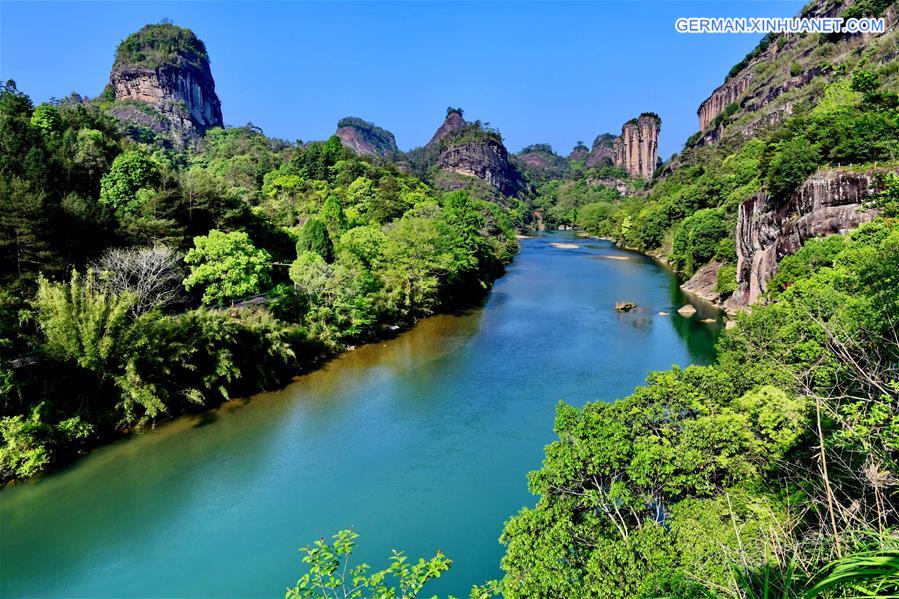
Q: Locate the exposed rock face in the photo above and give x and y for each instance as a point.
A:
(540, 161)
(171, 94)
(637, 149)
(579, 152)
(721, 98)
(703, 284)
(363, 137)
(453, 122)
(485, 158)
(601, 154)
(827, 203)
(760, 91)
(617, 184)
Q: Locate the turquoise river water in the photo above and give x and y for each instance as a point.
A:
(419, 442)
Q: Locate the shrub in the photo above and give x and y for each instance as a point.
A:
(793, 161)
(726, 279)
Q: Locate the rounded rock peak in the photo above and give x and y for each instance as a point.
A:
(161, 44)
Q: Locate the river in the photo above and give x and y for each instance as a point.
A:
(419, 442)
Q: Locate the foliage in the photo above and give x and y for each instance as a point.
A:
(81, 321)
(227, 266)
(29, 444)
(123, 187)
(793, 161)
(470, 133)
(697, 239)
(870, 574)
(330, 575)
(698, 484)
(93, 326)
(726, 279)
(539, 148)
(887, 199)
(162, 43)
(314, 238)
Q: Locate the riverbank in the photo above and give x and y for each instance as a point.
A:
(414, 424)
(700, 288)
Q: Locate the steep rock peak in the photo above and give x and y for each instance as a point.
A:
(161, 81)
(476, 150)
(601, 153)
(721, 98)
(636, 150)
(777, 74)
(363, 137)
(453, 122)
(579, 151)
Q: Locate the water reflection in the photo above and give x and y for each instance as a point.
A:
(419, 442)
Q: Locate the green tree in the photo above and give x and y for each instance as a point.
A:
(793, 161)
(227, 266)
(418, 258)
(46, 119)
(314, 237)
(333, 216)
(365, 243)
(82, 322)
(339, 297)
(131, 173)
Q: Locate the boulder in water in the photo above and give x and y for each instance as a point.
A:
(687, 311)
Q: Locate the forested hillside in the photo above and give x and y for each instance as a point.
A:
(143, 277)
(774, 472)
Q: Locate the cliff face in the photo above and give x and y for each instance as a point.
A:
(162, 84)
(541, 162)
(759, 84)
(601, 154)
(721, 98)
(579, 152)
(637, 149)
(485, 158)
(453, 122)
(827, 203)
(366, 138)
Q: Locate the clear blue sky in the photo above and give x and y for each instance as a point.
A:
(539, 71)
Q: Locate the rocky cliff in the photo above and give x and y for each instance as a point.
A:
(541, 162)
(579, 152)
(484, 157)
(786, 70)
(365, 138)
(161, 86)
(721, 98)
(827, 203)
(452, 123)
(601, 154)
(636, 150)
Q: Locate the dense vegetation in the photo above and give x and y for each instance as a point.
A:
(772, 473)
(139, 282)
(161, 43)
(688, 216)
(748, 475)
